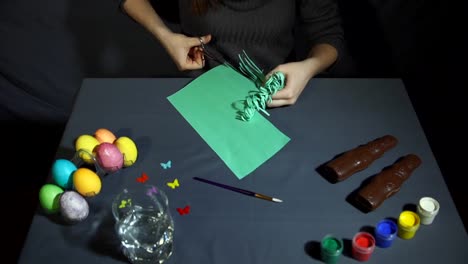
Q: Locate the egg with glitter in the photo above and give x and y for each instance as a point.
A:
(109, 157)
(73, 207)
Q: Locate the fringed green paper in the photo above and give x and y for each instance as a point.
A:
(207, 104)
(257, 100)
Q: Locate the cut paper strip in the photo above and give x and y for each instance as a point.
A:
(208, 103)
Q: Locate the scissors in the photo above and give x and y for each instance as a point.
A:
(214, 54)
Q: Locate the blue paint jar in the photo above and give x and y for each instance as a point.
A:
(385, 233)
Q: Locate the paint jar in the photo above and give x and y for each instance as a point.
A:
(363, 246)
(427, 210)
(385, 233)
(408, 224)
(331, 248)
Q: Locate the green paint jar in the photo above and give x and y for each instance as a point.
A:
(331, 248)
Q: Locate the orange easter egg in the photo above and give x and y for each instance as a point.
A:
(104, 135)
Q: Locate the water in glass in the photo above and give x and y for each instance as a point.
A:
(144, 225)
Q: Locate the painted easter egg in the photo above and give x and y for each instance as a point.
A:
(104, 135)
(73, 207)
(62, 171)
(86, 182)
(49, 196)
(129, 150)
(85, 145)
(109, 157)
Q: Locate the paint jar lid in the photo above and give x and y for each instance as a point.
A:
(331, 245)
(363, 242)
(428, 206)
(408, 220)
(386, 229)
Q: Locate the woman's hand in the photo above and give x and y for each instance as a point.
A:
(298, 74)
(297, 78)
(186, 52)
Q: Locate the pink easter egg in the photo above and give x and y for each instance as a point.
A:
(109, 157)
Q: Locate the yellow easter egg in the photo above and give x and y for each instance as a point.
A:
(128, 149)
(85, 145)
(104, 135)
(86, 182)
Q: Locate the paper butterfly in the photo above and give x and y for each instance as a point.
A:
(173, 184)
(124, 203)
(183, 211)
(143, 178)
(151, 191)
(166, 165)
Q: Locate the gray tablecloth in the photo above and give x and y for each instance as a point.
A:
(332, 115)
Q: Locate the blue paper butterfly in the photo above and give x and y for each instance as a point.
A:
(166, 165)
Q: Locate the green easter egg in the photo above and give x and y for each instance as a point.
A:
(49, 197)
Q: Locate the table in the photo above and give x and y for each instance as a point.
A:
(332, 115)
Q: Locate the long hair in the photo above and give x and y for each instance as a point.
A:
(200, 7)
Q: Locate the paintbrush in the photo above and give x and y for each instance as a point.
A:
(235, 189)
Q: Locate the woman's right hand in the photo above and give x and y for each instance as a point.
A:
(186, 52)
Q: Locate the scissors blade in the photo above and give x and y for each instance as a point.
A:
(213, 54)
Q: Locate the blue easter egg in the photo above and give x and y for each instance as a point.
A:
(62, 173)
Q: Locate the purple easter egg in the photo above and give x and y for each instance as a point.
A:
(73, 207)
(109, 157)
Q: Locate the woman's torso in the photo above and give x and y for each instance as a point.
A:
(263, 28)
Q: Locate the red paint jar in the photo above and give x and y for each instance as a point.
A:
(363, 246)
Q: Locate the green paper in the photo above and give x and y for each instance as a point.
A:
(210, 104)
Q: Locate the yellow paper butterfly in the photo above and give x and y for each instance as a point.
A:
(124, 203)
(173, 184)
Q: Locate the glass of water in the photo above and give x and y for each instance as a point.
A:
(144, 224)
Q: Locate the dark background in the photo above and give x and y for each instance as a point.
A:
(50, 45)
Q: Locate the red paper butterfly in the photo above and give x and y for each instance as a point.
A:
(143, 178)
(183, 211)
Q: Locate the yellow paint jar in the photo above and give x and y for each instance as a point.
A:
(408, 224)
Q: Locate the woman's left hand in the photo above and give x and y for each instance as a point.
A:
(297, 76)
